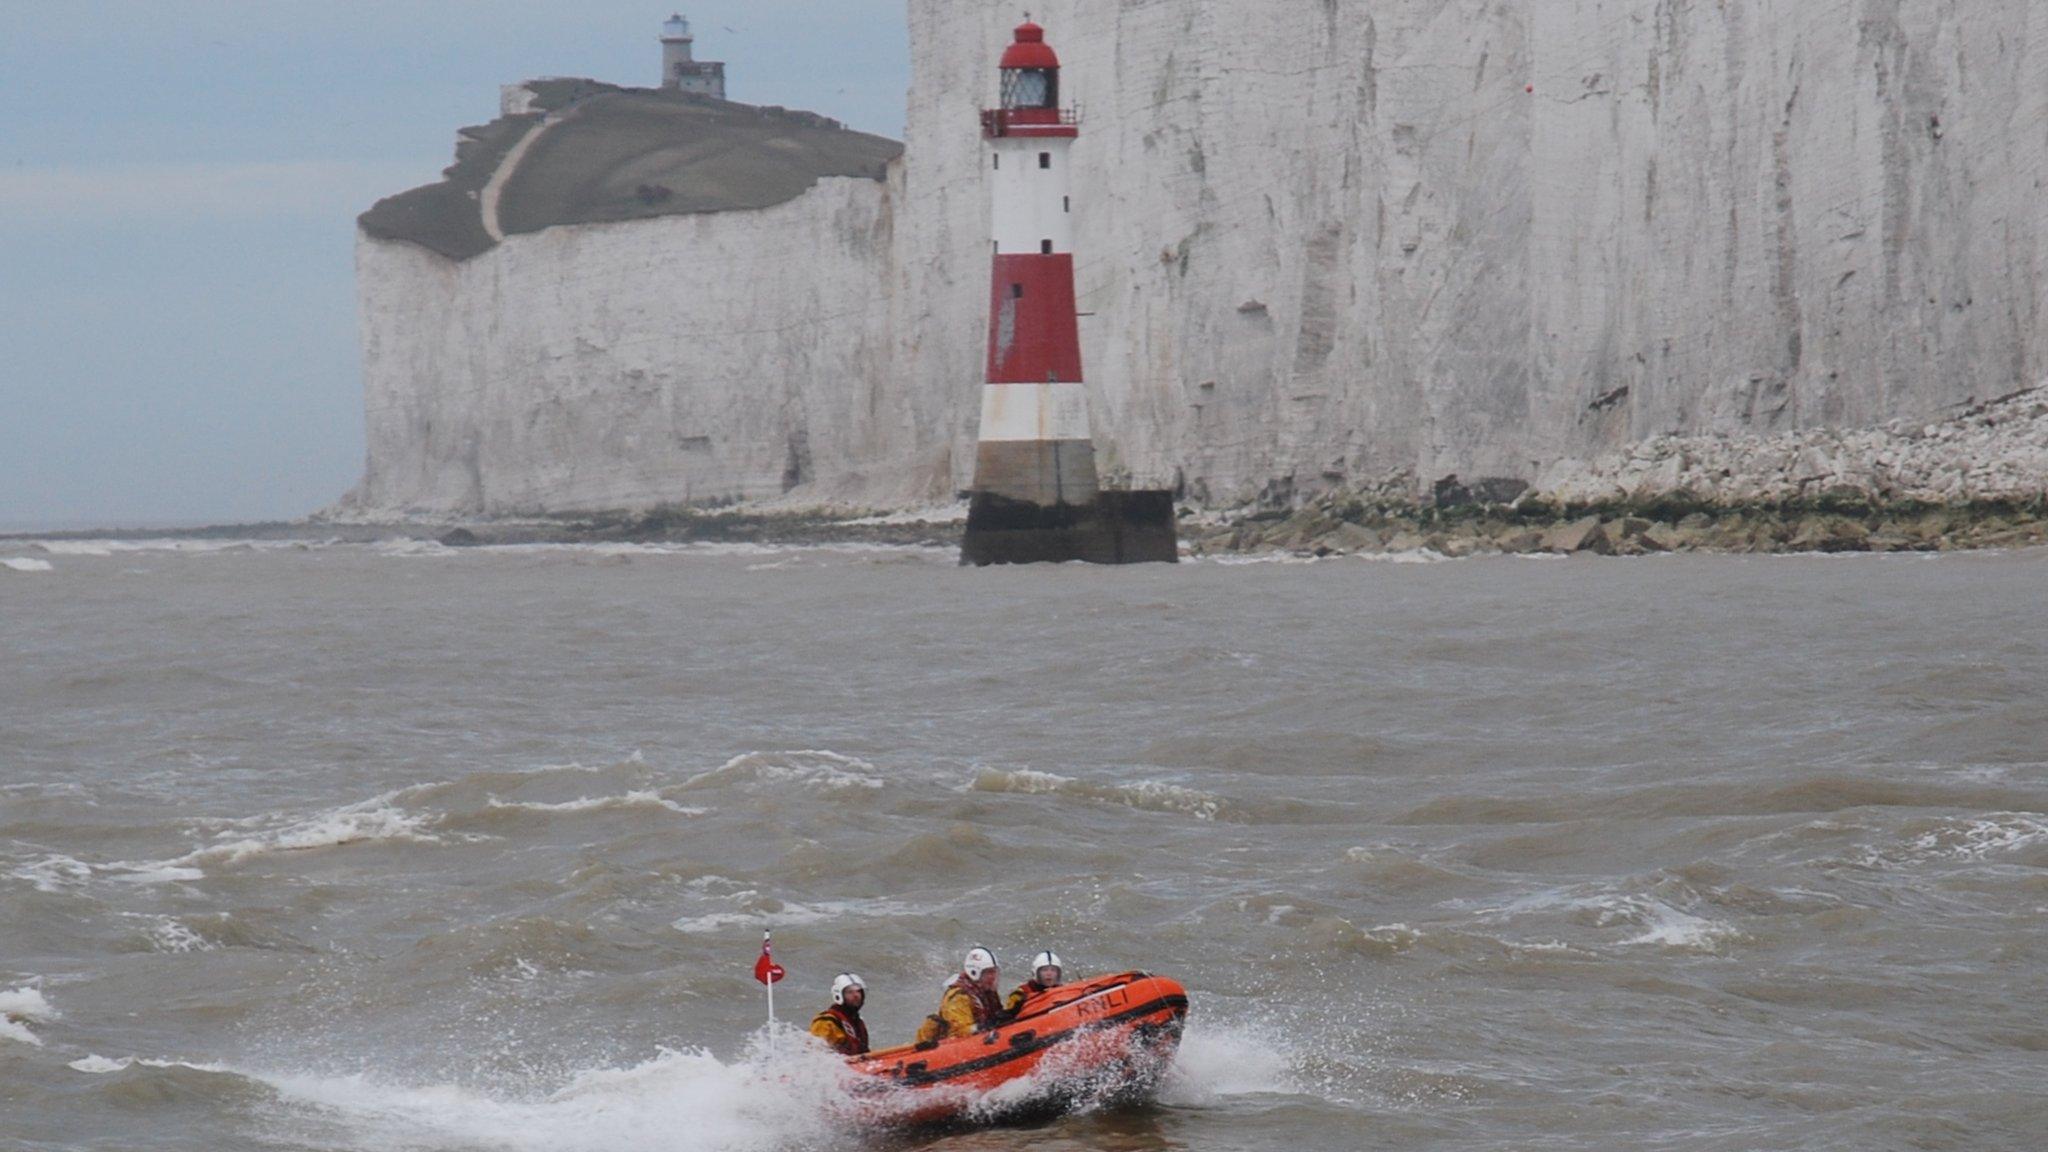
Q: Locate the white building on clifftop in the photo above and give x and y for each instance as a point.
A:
(680, 69)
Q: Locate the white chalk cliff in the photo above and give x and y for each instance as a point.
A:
(1320, 242)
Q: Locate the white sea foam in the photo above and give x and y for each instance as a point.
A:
(431, 548)
(1981, 837)
(1415, 556)
(54, 873)
(1144, 795)
(637, 799)
(1661, 923)
(1265, 558)
(756, 912)
(172, 935)
(26, 564)
(150, 872)
(182, 546)
(811, 768)
(378, 818)
(1667, 927)
(21, 1007)
(780, 1094)
(101, 1066)
(1972, 839)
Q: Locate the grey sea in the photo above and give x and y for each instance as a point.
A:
(397, 847)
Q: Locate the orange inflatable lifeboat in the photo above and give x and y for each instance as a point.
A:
(1108, 1038)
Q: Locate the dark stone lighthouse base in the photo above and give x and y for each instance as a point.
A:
(1116, 528)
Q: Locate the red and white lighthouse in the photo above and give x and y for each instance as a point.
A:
(1035, 494)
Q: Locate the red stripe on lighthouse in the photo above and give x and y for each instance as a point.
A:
(1033, 336)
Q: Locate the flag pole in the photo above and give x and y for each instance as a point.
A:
(767, 971)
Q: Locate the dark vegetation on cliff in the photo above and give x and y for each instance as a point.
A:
(606, 153)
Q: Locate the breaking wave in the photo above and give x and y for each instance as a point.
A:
(103, 1066)
(811, 768)
(53, 874)
(21, 1007)
(380, 818)
(1652, 919)
(746, 907)
(638, 799)
(1144, 795)
(189, 547)
(172, 935)
(1973, 839)
(25, 564)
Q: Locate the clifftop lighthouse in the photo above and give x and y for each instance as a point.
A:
(680, 69)
(1035, 495)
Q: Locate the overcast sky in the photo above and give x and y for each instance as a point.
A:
(179, 181)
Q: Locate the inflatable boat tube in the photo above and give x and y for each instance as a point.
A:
(1108, 1038)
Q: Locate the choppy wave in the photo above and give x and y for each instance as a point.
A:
(172, 935)
(1972, 839)
(750, 909)
(185, 546)
(1655, 918)
(810, 768)
(96, 1065)
(428, 548)
(380, 818)
(53, 873)
(1144, 795)
(26, 564)
(21, 1007)
(638, 799)
(1666, 926)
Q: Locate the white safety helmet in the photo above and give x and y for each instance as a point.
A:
(842, 982)
(1047, 960)
(978, 960)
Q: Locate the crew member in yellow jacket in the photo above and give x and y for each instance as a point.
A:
(969, 1004)
(841, 1025)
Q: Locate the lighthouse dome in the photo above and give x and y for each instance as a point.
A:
(1030, 50)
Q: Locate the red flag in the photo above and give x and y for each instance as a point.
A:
(766, 970)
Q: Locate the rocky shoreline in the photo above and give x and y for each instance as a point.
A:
(1977, 479)
(1331, 524)
(1341, 524)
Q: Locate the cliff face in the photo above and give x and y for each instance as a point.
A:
(682, 359)
(1320, 242)
(1325, 241)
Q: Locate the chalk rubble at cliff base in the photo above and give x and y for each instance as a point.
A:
(1977, 480)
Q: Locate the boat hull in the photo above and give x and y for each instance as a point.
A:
(1107, 1039)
